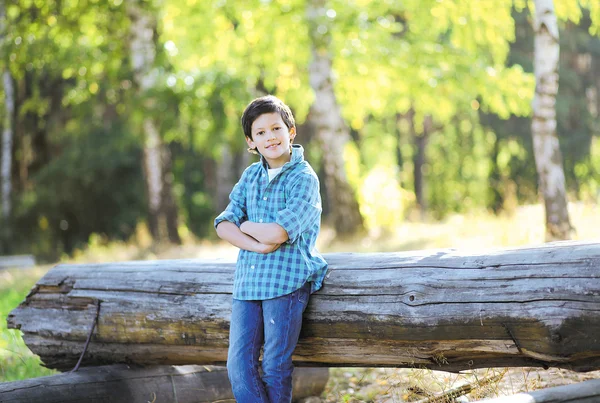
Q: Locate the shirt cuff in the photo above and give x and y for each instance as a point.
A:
(226, 216)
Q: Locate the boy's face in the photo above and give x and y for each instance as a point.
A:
(272, 139)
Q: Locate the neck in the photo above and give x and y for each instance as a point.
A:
(279, 163)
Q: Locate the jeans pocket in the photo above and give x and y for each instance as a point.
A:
(303, 293)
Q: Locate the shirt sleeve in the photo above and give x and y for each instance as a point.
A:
(236, 211)
(303, 207)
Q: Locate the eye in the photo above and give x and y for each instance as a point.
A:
(260, 133)
(277, 128)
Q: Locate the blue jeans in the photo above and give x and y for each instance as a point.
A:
(277, 323)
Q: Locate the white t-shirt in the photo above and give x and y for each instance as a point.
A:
(273, 173)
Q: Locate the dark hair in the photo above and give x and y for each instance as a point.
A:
(262, 105)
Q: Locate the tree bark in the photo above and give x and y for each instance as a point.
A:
(546, 147)
(596, 103)
(399, 157)
(440, 309)
(153, 175)
(496, 198)
(169, 205)
(332, 133)
(7, 145)
(162, 211)
(122, 384)
(419, 161)
(7, 132)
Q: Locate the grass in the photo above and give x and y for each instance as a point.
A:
(16, 361)
(474, 231)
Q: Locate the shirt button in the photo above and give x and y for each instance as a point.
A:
(252, 267)
(260, 220)
(264, 198)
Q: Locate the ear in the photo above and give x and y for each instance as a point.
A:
(250, 143)
(292, 134)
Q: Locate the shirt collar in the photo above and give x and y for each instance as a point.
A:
(297, 157)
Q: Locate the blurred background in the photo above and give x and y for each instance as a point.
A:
(121, 118)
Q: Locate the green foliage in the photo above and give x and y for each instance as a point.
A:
(71, 147)
(75, 193)
(460, 183)
(197, 205)
(590, 167)
(466, 65)
(391, 58)
(17, 362)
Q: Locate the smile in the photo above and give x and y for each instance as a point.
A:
(271, 146)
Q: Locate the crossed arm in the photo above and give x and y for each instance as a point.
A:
(303, 207)
(268, 233)
(252, 236)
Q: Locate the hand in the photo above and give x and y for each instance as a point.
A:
(267, 247)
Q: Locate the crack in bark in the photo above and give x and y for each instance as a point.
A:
(325, 296)
(482, 267)
(151, 292)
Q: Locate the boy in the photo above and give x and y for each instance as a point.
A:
(274, 218)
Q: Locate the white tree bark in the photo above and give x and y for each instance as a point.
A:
(331, 130)
(546, 147)
(7, 132)
(143, 54)
(7, 141)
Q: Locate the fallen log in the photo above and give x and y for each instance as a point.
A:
(16, 261)
(583, 392)
(122, 384)
(443, 309)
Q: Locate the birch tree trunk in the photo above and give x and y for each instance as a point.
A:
(331, 130)
(7, 141)
(143, 54)
(7, 132)
(596, 102)
(546, 147)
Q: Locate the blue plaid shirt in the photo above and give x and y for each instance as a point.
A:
(291, 200)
